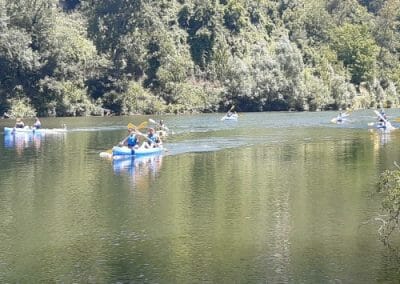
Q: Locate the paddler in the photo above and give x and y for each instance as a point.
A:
(19, 123)
(132, 141)
(153, 140)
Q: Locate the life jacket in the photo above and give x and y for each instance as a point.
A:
(153, 138)
(132, 141)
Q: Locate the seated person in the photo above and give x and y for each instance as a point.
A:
(19, 123)
(37, 123)
(132, 140)
(152, 139)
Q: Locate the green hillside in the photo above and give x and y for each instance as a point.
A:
(93, 57)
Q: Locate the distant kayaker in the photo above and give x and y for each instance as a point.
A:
(132, 140)
(339, 117)
(37, 123)
(153, 140)
(383, 116)
(230, 113)
(161, 125)
(19, 123)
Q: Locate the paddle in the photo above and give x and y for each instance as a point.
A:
(231, 109)
(132, 126)
(162, 126)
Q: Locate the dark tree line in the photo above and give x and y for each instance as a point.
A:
(76, 57)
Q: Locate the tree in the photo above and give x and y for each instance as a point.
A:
(389, 187)
(357, 49)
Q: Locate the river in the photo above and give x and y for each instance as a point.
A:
(271, 198)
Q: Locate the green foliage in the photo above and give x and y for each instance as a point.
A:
(235, 16)
(21, 108)
(75, 57)
(71, 55)
(191, 97)
(317, 94)
(389, 187)
(200, 23)
(64, 98)
(357, 49)
(134, 100)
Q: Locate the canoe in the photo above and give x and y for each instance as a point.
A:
(125, 151)
(233, 116)
(338, 120)
(13, 130)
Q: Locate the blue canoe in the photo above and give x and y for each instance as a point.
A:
(125, 151)
(28, 130)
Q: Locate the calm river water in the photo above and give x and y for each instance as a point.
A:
(271, 198)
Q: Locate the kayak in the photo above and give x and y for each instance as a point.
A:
(340, 118)
(385, 127)
(27, 129)
(233, 116)
(125, 151)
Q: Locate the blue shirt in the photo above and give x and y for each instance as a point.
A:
(132, 141)
(153, 138)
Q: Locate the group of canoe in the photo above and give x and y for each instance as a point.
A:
(382, 121)
(33, 130)
(151, 145)
(36, 128)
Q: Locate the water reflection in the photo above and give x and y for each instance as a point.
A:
(138, 168)
(21, 141)
(380, 138)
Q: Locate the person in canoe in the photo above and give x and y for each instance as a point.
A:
(132, 141)
(161, 129)
(230, 113)
(340, 117)
(37, 123)
(19, 123)
(383, 116)
(382, 119)
(161, 125)
(153, 140)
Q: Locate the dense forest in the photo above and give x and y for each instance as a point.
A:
(76, 57)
